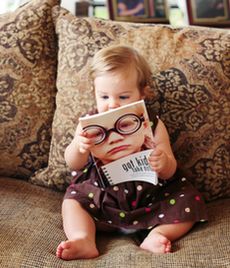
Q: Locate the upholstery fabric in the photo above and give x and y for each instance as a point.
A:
(191, 82)
(31, 229)
(27, 68)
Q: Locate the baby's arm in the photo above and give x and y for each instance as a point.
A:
(162, 159)
(77, 152)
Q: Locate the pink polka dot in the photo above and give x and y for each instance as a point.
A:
(147, 209)
(197, 198)
(176, 221)
(134, 203)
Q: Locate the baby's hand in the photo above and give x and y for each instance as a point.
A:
(83, 142)
(158, 160)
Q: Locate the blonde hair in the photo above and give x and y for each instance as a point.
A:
(117, 58)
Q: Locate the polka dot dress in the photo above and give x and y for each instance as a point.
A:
(136, 205)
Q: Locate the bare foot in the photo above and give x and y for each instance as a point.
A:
(156, 243)
(77, 249)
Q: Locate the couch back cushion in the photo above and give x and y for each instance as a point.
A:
(28, 57)
(191, 83)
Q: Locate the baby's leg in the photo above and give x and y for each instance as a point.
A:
(159, 239)
(80, 230)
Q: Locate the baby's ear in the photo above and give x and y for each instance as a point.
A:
(143, 96)
(143, 93)
(147, 93)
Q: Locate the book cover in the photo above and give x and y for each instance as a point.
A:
(122, 140)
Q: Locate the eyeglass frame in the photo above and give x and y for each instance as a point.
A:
(115, 129)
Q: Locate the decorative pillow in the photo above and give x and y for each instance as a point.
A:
(190, 78)
(28, 57)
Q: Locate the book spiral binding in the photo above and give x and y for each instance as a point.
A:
(107, 175)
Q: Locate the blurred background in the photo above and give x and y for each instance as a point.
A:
(214, 13)
(98, 8)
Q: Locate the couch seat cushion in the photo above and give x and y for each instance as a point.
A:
(31, 229)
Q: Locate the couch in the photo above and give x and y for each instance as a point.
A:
(45, 53)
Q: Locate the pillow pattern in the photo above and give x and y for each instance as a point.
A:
(28, 59)
(191, 84)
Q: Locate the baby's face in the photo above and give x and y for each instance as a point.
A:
(116, 89)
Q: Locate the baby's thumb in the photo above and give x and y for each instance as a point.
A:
(82, 150)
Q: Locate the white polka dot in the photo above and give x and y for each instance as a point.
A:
(110, 222)
(91, 195)
(92, 205)
(183, 179)
(187, 210)
(150, 204)
(74, 173)
(181, 195)
(150, 227)
(148, 195)
(95, 183)
(167, 194)
(135, 222)
(160, 184)
(161, 216)
(73, 192)
(115, 188)
(139, 187)
(126, 191)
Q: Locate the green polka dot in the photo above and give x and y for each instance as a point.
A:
(85, 170)
(151, 123)
(172, 201)
(122, 214)
(90, 195)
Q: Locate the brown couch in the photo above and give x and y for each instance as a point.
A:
(44, 54)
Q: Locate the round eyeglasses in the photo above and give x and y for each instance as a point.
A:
(125, 125)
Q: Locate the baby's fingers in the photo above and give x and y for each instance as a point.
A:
(154, 158)
(156, 166)
(84, 147)
(82, 150)
(85, 144)
(156, 152)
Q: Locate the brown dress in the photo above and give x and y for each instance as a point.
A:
(136, 205)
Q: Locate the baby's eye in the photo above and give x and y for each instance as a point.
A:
(124, 97)
(104, 97)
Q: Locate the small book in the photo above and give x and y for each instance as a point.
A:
(123, 140)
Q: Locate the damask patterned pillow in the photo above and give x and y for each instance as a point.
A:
(191, 83)
(28, 57)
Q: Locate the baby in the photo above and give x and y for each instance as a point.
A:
(167, 211)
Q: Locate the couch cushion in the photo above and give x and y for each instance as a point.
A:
(31, 229)
(27, 87)
(191, 84)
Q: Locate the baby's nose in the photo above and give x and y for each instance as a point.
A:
(114, 104)
(114, 136)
